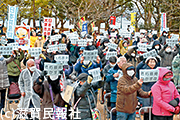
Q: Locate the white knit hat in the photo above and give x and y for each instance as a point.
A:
(150, 58)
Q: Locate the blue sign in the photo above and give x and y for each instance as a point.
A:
(85, 28)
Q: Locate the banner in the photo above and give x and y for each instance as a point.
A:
(112, 20)
(133, 20)
(12, 18)
(163, 21)
(172, 42)
(53, 68)
(6, 50)
(110, 54)
(62, 59)
(47, 26)
(96, 74)
(22, 36)
(151, 53)
(149, 75)
(85, 28)
(82, 43)
(15, 45)
(35, 51)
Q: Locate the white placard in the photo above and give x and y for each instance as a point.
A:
(149, 75)
(63, 59)
(53, 68)
(113, 34)
(120, 75)
(112, 46)
(154, 32)
(96, 74)
(35, 51)
(52, 48)
(90, 55)
(66, 32)
(71, 26)
(126, 34)
(172, 42)
(102, 25)
(3, 41)
(137, 34)
(55, 37)
(110, 54)
(83, 33)
(15, 45)
(143, 47)
(95, 28)
(62, 47)
(151, 53)
(82, 42)
(73, 39)
(142, 30)
(174, 36)
(56, 30)
(6, 50)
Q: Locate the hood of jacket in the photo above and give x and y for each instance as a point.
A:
(156, 42)
(162, 72)
(124, 67)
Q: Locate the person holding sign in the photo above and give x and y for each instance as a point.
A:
(163, 37)
(127, 90)
(83, 66)
(112, 78)
(167, 55)
(39, 42)
(166, 97)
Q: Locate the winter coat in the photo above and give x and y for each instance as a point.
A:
(4, 81)
(176, 69)
(162, 40)
(113, 82)
(105, 73)
(124, 50)
(90, 47)
(87, 91)
(12, 68)
(26, 85)
(127, 90)
(102, 54)
(81, 68)
(39, 43)
(163, 93)
(166, 58)
(43, 92)
(33, 40)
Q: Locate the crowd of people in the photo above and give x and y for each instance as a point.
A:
(120, 74)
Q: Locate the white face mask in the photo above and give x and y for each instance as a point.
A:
(156, 47)
(168, 50)
(32, 69)
(90, 43)
(53, 77)
(130, 72)
(86, 62)
(112, 65)
(39, 37)
(164, 34)
(36, 58)
(3, 36)
(105, 44)
(133, 54)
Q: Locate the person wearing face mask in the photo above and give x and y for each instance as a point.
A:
(131, 56)
(83, 66)
(41, 87)
(90, 45)
(163, 37)
(102, 50)
(29, 99)
(4, 78)
(39, 42)
(164, 92)
(167, 55)
(123, 45)
(128, 88)
(112, 77)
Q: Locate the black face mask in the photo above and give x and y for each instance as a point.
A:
(55, 85)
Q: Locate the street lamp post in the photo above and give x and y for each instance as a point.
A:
(39, 17)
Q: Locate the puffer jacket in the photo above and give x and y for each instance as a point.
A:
(113, 82)
(4, 81)
(162, 40)
(166, 58)
(163, 93)
(127, 90)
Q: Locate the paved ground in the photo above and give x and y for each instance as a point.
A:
(99, 106)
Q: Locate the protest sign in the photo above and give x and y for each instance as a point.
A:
(102, 25)
(120, 75)
(52, 48)
(95, 28)
(62, 47)
(53, 68)
(112, 46)
(137, 34)
(71, 26)
(172, 42)
(151, 53)
(15, 45)
(83, 33)
(82, 42)
(110, 54)
(90, 55)
(22, 37)
(96, 74)
(47, 26)
(174, 36)
(125, 34)
(66, 32)
(3, 41)
(35, 51)
(73, 39)
(63, 59)
(55, 37)
(6, 50)
(56, 30)
(113, 34)
(149, 75)
(12, 19)
(143, 47)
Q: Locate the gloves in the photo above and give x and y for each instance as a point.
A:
(70, 63)
(42, 56)
(89, 79)
(176, 110)
(28, 56)
(40, 80)
(165, 46)
(174, 102)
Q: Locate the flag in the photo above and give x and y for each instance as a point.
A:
(92, 25)
(82, 20)
(133, 20)
(163, 22)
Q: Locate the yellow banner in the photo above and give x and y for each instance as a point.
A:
(133, 20)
